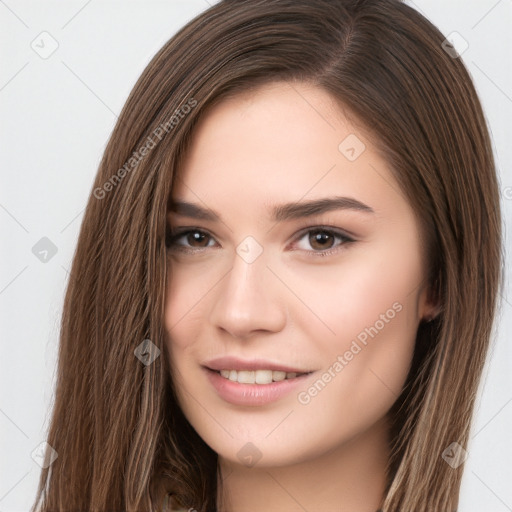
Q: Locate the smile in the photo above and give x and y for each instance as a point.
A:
(257, 376)
(253, 387)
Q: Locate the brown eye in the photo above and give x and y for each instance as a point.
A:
(321, 239)
(193, 239)
(198, 237)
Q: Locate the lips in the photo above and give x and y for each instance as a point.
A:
(252, 394)
(233, 363)
(253, 382)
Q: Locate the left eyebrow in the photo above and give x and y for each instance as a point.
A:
(291, 211)
(282, 212)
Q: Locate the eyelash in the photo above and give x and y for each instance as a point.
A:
(176, 234)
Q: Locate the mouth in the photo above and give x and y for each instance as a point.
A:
(254, 371)
(262, 377)
(256, 387)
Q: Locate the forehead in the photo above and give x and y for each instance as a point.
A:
(280, 143)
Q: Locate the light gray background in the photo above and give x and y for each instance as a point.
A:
(57, 114)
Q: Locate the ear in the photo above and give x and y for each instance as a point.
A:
(429, 305)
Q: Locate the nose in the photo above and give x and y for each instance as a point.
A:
(249, 299)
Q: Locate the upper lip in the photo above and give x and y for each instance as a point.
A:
(234, 363)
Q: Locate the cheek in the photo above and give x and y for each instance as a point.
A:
(365, 364)
(185, 302)
(362, 294)
(182, 321)
(188, 303)
(183, 317)
(366, 314)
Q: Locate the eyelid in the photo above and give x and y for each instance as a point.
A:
(174, 233)
(330, 251)
(324, 227)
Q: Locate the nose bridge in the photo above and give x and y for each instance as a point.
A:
(248, 300)
(249, 270)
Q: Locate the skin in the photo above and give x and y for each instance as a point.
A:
(280, 144)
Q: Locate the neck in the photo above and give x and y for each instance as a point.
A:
(351, 476)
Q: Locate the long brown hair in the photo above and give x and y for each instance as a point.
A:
(121, 439)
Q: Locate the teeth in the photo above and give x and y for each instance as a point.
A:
(263, 376)
(277, 376)
(257, 376)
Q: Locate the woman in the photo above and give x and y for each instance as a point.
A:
(209, 358)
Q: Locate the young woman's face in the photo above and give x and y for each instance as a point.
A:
(262, 286)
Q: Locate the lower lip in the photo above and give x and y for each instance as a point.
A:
(252, 394)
